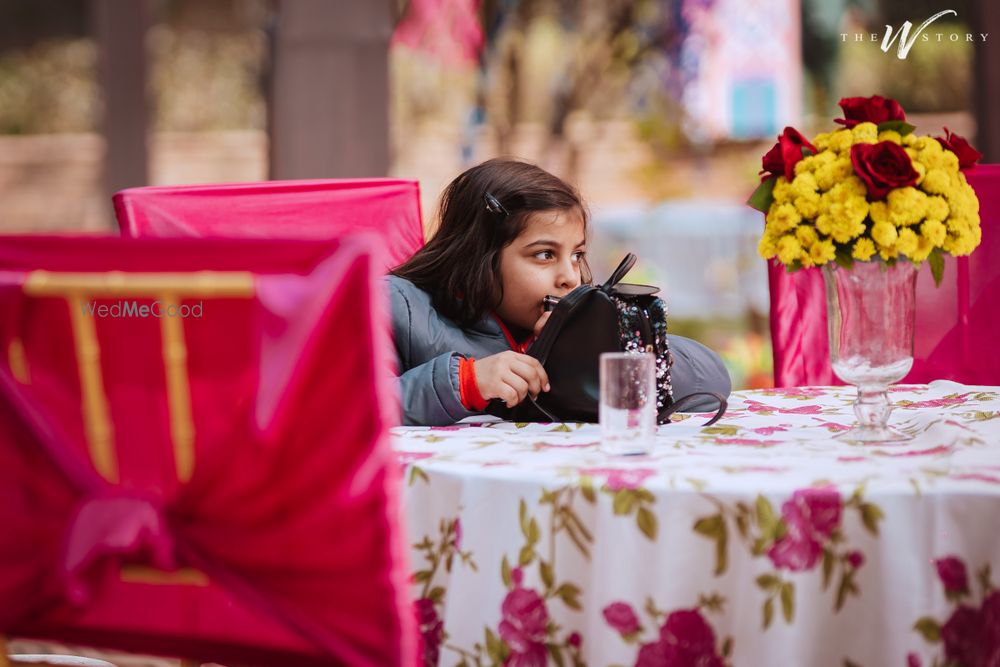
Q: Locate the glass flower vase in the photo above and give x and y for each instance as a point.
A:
(870, 312)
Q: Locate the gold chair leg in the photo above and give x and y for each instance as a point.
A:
(184, 663)
(4, 662)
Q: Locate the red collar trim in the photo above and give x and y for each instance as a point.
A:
(514, 345)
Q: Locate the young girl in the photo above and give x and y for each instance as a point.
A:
(466, 306)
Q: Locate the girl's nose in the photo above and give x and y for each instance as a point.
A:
(569, 276)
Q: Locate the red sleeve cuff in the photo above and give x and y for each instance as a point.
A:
(468, 390)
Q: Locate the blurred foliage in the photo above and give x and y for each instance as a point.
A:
(49, 87)
(206, 61)
(934, 77)
(205, 80)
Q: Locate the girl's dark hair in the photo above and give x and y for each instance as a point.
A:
(460, 265)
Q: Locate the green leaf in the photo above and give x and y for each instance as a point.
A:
(647, 523)
(545, 570)
(556, 654)
(788, 601)
(742, 526)
(727, 647)
(768, 612)
(937, 266)
(505, 572)
(711, 526)
(494, 647)
(843, 257)
(827, 567)
(765, 516)
(929, 629)
(645, 495)
(900, 126)
(533, 533)
(768, 582)
(526, 556)
(763, 196)
(422, 577)
(416, 473)
(522, 515)
(436, 594)
(870, 516)
(721, 551)
(569, 594)
(850, 663)
(624, 502)
(587, 489)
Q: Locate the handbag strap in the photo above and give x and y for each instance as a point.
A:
(624, 267)
(684, 400)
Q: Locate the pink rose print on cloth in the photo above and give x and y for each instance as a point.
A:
(524, 628)
(805, 536)
(947, 401)
(684, 639)
(971, 635)
(763, 408)
(620, 478)
(810, 518)
(621, 617)
(431, 630)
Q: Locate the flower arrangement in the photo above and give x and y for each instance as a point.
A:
(870, 191)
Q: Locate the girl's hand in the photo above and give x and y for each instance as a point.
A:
(510, 377)
(541, 322)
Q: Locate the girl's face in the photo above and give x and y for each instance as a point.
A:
(543, 259)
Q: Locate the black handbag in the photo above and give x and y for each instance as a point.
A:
(591, 320)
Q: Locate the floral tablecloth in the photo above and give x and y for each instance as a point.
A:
(760, 540)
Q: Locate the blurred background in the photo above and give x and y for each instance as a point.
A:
(658, 110)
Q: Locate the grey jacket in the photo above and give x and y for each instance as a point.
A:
(429, 346)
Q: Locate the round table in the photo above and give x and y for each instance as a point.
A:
(760, 540)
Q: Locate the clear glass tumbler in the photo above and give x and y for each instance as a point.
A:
(627, 410)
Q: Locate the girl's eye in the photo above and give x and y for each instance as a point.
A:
(579, 255)
(545, 254)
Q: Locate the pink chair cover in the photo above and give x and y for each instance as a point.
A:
(957, 324)
(295, 209)
(277, 542)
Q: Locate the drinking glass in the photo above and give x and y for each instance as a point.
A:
(627, 410)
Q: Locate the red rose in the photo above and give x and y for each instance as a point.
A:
(883, 167)
(621, 617)
(966, 154)
(875, 109)
(784, 155)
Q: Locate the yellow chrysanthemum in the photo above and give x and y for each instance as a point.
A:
(789, 249)
(890, 135)
(804, 185)
(782, 191)
(936, 182)
(822, 141)
(884, 234)
(931, 154)
(909, 139)
(864, 248)
(841, 140)
(887, 253)
(879, 212)
(808, 206)
(934, 231)
(924, 249)
(937, 208)
(907, 206)
(806, 234)
(864, 133)
(907, 242)
(782, 218)
(768, 247)
(822, 252)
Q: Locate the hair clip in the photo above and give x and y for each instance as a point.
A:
(493, 205)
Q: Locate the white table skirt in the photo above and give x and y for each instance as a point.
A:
(758, 541)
